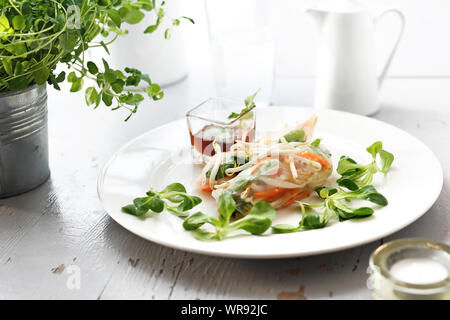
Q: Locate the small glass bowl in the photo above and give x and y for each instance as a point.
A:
(210, 124)
(410, 269)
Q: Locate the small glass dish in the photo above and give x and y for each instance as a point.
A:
(410, 269)
(210, 124)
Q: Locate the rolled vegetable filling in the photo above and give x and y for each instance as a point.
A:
(279, 168)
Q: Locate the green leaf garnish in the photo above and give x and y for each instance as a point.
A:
(249, 103)
(154, 201)
(354, 175)
(297, 135)
(316, 143)
(257, 221)
(336, 202)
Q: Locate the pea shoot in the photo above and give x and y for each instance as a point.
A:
(36, 36)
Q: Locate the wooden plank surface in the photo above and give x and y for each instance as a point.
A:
(60, 227)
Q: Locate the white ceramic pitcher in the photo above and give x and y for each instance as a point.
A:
(346, 76)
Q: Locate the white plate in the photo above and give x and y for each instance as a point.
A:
(161, 156)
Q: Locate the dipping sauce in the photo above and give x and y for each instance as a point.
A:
(224, 137)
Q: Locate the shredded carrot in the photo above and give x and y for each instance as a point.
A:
(276, 197)
(315, 157)
(270, 194)
(296, 196)
(258, 165)
(206, 187)
(278, 173)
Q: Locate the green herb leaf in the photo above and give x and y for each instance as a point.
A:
(177, 187)
(133, 16)
(18, 83)
(61, 77)
(347, 166)
(7, 64)
(110, 75)
(105, 47)
(316, 143)
(105, 64)
(375, 148)
(190, 19)
(18, 22)
(377, 198)
(118, 85)
(154, 201)
(156, 204)
(68, 41)
(249, 103)
(41, 75)
(115, 17)
(4, 23)
(189, 202)
(387, 159)
(196, 220)
(18, 69)
(177, 212)
(258, 220)
(167, 33)
(77, 85)
(205, 236)
(151, 29)
(227, 205)
(91, 96)
(107, 97)
(285, 228)
(297, 135)
(349, 184)
(325, 192)
(130, 209)
(92, 67)
(313, 221)
(17, 49)
(362, 175)
(72, 77)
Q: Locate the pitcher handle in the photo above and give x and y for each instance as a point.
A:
(391, 55)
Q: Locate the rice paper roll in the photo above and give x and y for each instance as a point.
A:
(279, 168)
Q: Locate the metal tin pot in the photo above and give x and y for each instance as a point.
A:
(23, 140)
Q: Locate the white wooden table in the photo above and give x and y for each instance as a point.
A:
(60, 227)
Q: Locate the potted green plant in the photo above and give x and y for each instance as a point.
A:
(36, 36)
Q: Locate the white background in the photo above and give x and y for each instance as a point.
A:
(423, 52)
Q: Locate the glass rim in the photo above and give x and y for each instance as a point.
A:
(229, 123)
(379, 257)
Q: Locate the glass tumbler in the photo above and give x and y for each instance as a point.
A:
(242, 47)
(218, 123)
